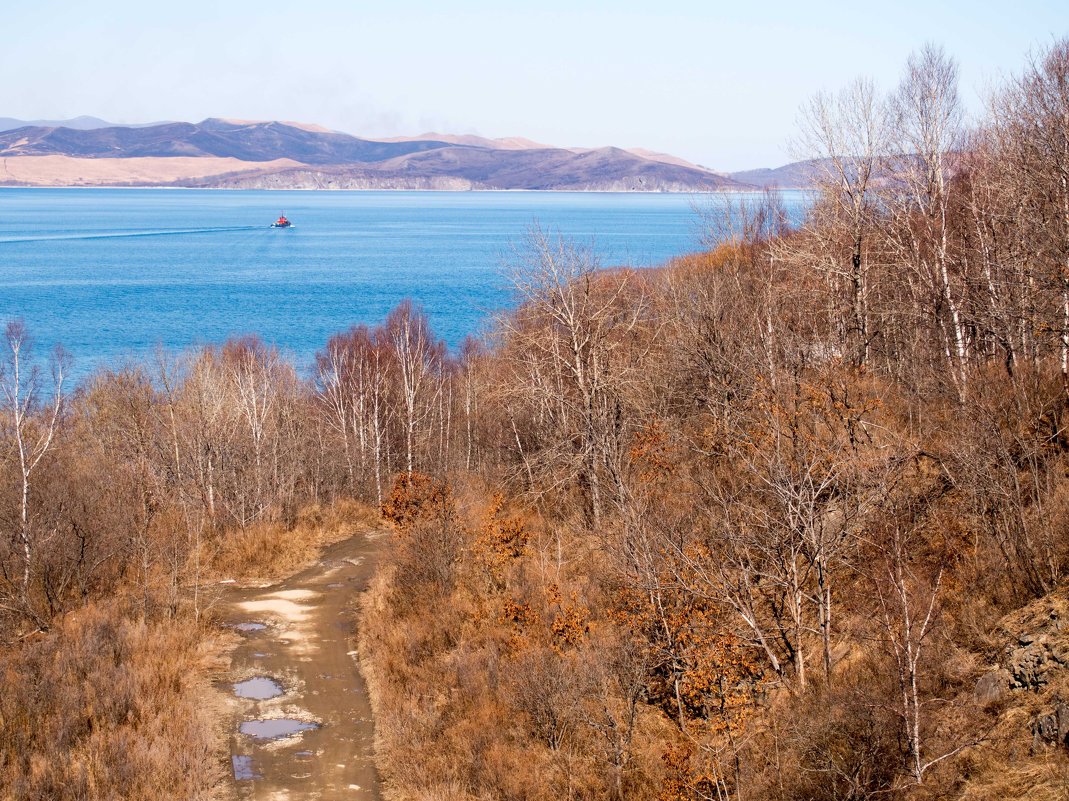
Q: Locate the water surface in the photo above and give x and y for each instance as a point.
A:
(258, 688)
(244, 770)
(275, 728)
(113, 273)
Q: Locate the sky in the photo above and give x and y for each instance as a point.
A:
(717, 83)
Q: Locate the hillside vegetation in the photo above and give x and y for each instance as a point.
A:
(785, 519)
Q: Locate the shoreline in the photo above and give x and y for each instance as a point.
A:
(754, 190)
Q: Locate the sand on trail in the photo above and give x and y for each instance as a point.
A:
(306, 647)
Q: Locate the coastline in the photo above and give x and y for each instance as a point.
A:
(724, 191)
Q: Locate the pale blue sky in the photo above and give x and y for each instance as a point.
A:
(718, 83)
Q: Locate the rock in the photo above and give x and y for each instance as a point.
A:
(1026, 639)
(992, 686)
(1029, 666)
(1059, 652)
(1053, 728)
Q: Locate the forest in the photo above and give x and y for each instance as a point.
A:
(784, 519)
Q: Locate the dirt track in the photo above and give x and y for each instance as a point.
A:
(306, 646)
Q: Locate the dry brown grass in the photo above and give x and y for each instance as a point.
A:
(269, 551)
(107, 706)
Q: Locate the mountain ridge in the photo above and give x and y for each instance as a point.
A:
(234, 153)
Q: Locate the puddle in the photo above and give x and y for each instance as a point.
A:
(259, 689)
(250, 626)
(275, 728)
(243, 769)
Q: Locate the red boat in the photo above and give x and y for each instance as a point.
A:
(281, 222)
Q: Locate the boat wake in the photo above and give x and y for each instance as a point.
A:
(123, 234)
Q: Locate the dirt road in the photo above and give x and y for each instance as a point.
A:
(313, 739)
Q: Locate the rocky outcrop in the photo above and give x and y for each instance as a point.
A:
(1037, 653)
(1052, 728)
(1027, 664)
(1032, 661)
(1034, 667)
(993, 685)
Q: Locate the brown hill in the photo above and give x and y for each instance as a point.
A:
(250, 154)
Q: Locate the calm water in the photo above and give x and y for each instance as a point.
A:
(113, 273)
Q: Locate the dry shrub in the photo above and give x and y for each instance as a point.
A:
(107, 706)
(429, 537)
(485, 682)
(271, 550)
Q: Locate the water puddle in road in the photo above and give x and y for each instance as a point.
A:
(259, 689)
(243, 769)
(246, 627)
(275, 728)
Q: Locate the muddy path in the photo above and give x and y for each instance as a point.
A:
(302, 725)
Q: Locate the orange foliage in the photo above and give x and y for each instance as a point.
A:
(684, 780)
(652, 454)
(500, 542)
(415, 497)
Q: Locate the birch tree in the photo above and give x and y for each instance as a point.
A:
(1031, 131)
(419, 362)
(846, 134)
(31, 414)
(929, 126)
(567, 360)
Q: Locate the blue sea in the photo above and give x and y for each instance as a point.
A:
(112, 274)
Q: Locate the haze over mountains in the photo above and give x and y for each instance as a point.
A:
(83, 123)
(221, 153)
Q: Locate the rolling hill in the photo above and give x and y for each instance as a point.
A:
(272, 154)
(796, 175)
(83, 123)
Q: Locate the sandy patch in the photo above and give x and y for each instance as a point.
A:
(279, 607)
(284, 606)
(294, 595)
(69, 171)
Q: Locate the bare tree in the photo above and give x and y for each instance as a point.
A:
(847, 134)
(1031, 133)
(31, 420)
(929, 122)
(353, 386)
(419, 359)
(567, 360)
(909, 610)
(263, 384)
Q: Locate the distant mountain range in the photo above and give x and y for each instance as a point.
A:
(82, 123)
(796, 175)
(241, 154)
